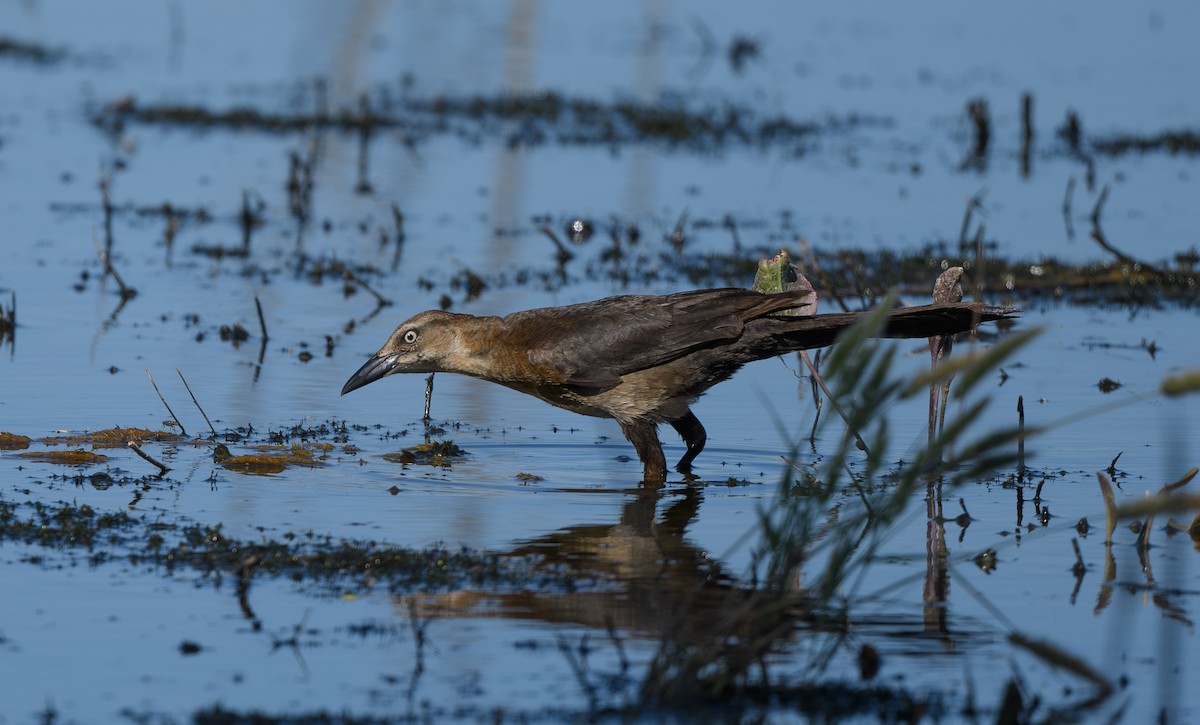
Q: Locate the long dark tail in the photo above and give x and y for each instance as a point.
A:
(905, 322)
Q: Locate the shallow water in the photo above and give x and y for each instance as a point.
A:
(95, 640)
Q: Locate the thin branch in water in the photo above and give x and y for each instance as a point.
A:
(812, 368)
(262, 323)
(162, 469)
(197, 402)
(1021, 437)
(262, 355)
(1112, 467)
(164, 402)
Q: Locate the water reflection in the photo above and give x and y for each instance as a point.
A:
(641, 574)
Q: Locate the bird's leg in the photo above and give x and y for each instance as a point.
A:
(945, 398)
(947, 288)
(939, 349)
(693, 435)
(644, 437)
(935, 344)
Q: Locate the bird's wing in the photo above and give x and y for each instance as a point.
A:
(591, 345)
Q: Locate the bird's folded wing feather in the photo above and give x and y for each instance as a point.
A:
(592, 345)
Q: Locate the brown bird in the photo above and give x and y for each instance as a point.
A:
(640, 359)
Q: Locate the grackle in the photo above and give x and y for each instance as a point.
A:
(640, 359)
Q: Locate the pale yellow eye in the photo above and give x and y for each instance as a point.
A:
(410, 337)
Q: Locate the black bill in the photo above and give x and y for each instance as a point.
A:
(374, 369)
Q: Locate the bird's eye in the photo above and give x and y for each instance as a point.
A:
(410, 337)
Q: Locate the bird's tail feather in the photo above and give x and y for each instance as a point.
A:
(904, 322)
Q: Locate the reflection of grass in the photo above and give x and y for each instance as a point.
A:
(823, 534)
(341, 565)
(817, 538)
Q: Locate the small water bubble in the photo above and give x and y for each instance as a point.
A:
(579, 230)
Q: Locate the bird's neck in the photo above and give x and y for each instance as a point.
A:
(477, 347)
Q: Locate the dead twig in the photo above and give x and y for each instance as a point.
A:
(162, 469)
(812, 368)
(1112, 467)
(1021, 437)
(262, 323)
(197, 402)
(164, 402)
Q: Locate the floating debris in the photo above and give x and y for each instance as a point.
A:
(273, 459)
(13, 441)
(112, 438)
(430, 453)
(66, 458)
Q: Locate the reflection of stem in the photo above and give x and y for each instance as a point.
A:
(245, 575)
(937, 557)
(1066, 209)
(862, 445)
(262, 354)
(349, 275)
(126, 291)
(1021, 438)
(1100, 239)
(1104, 598)
(1079, 570)
(418, 628)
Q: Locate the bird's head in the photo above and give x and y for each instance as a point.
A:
(429, 342)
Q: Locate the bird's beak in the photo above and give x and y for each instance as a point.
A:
(374, 369)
